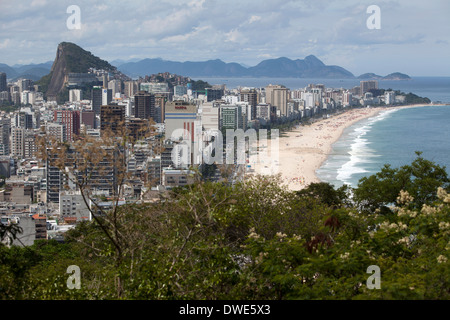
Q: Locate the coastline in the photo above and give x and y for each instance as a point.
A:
(304, 149)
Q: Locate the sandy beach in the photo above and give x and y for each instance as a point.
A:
(303, 150)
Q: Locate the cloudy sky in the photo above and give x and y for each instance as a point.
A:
(414, 37)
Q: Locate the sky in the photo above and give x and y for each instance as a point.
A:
(413, 38)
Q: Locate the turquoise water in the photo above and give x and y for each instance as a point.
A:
(391, 137)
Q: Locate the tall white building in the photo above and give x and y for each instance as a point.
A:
(17, 142)
(347, 99)
(309, 99)
(106, 96)
(75, 95)
(389, 97)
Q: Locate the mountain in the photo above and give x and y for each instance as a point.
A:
(310, 67)
(29, 71)
(10, 72)
(210, 68)
(397, 76)
(20, 68)
(370, 76)
(392, 76)
(69, 58)
(119, 62)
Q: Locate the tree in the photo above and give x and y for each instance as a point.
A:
(421, 179)
(95, 166)
(326, 193)
(251, 240)
(9, 232)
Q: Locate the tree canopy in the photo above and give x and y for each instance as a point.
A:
(256, 240)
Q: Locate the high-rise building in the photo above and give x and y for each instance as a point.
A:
(183, 122)
(115, 86)
(154, 87)
(210, 116)
(347, 98)
(251, 97)
(368, 85)
(231, 117)
(57, 130)
(22, 120)
(214, 94)
(263, 111)
(161, 100)
(144, 105)
(107, 96)
(389, 97)
(71, 119)
(179, 91)
(137, 128)
(25, 85)
(277, 96)
(5, 96)
(112, 118)
(15, 98)
(180, 115)
(5, 125)
(87, 117)
(29, 144)
(75, 95)
(3, 84)
(130, 88)
(96, 97)
(17, 142)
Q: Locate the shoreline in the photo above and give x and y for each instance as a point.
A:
(303, 150)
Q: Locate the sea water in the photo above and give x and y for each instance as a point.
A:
(434, 88)
(392, 137)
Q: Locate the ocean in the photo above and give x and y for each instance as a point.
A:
(391, 137)
(435, 88)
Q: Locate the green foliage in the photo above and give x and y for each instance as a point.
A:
(254, 240)
(326, 194)
(412, 98)
(200, 85)
(79, 60)
(9, 108)
(421, 179)
(44, 82)
(63, 96)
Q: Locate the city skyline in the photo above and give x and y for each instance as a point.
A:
(412, 39)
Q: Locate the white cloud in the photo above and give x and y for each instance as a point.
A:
(254, 19)
(235, 30)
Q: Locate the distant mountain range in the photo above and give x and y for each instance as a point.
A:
(310, 67)
(29, 71)
(75, 59)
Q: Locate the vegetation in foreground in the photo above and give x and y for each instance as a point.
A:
(255, 240)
